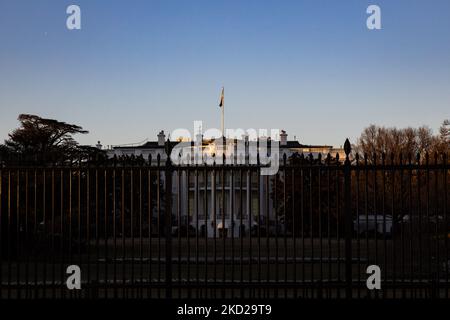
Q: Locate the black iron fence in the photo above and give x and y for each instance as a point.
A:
(143, 228)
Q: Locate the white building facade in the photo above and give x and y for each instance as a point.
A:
(218, 201)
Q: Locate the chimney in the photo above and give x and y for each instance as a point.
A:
(161, 138)
(99, 145)
(283, 138)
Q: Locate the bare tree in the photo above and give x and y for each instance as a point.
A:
(444, 132)
(407, 141)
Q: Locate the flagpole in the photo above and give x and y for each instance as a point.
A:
(223, 113)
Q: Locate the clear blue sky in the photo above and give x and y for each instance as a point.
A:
(310, 67)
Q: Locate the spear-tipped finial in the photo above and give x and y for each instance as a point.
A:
(347, 147)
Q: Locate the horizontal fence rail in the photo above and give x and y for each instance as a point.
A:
(145, 228)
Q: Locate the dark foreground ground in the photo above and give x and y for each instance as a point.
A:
(264, 267)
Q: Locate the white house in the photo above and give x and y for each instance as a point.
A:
(230, 202)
